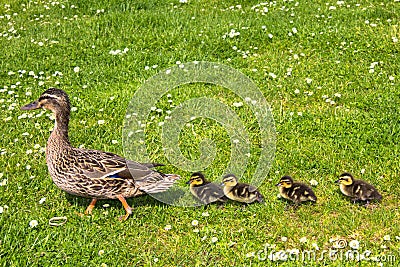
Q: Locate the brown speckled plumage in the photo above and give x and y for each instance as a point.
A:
(92, 173)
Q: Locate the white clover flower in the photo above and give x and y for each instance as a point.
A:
(167, 227)
(1, 209)
(205, 214)
(337, 95)
(77, 69)
(386, 238)
(303, 239)
(294, 30)
(273, 75)
(297, 91)
(101, 252)
(313, 182)
(237, 104)
(214, 239)
(42, 200)
(195, 222)
(354, 244)
(250, 254)
(391, 78)
(308, 80)
(284, 238)
(99, 122)
(33, 223)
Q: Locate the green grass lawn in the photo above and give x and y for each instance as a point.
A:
(329, 70)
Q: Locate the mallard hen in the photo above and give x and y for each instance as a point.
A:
(92, 173)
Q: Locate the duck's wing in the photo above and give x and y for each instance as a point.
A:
(95, 164)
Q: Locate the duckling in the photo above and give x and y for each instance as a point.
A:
(204, 190)
(358, 190)
(94, 174)
(240, 191)
(295, 191)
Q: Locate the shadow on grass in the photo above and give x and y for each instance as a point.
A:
(139, 201)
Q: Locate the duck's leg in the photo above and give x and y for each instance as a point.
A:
(91, 206)
(126, 207)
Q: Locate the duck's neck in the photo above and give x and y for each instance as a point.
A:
(60, 132)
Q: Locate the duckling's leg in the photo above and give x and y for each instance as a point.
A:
(91, 206)
(296, 205)
(127, 208)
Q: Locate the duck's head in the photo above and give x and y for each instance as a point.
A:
(229, 180)
(345, 179)
(52, 99)
(196, 179)
(286, 182)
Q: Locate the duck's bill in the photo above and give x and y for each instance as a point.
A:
(278, 184)
(30, 106)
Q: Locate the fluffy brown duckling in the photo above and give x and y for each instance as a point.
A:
(205, 191)
(358, 190)
(240, 191)
(295, 191)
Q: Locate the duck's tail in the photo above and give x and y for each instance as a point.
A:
(157, 182)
